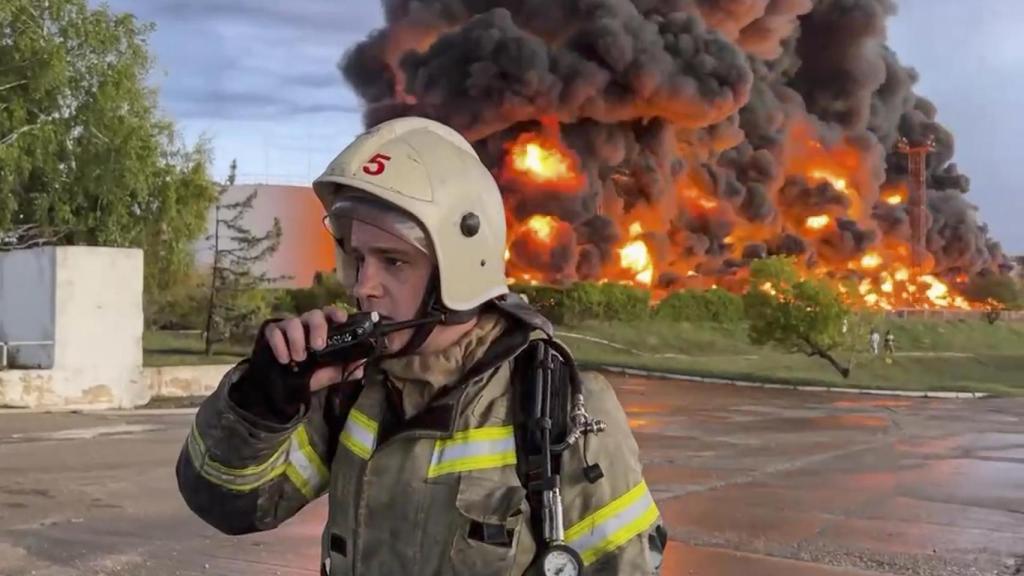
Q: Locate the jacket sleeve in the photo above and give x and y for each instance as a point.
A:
(613, 523)
(241, 473)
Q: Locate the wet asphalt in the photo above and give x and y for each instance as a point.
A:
(749, 481)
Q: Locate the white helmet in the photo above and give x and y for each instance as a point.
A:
(430, 173)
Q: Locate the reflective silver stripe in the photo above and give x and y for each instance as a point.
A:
(359, 434)
(474, 449)
(305, 469)
(614, 524)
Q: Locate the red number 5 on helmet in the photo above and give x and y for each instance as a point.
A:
(375, 166)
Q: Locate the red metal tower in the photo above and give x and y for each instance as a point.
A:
(917, 157)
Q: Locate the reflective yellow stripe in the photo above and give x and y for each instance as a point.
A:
(270, 463)
(295, 458)
(359, 434)
(614, 524)
(475, 449)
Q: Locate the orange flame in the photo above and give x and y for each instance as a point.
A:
(707, 203)
(898, 287)
(544, 160)
(871, 260)
(837, 182)
(540, 163)
(542, 227)
(817, 222)
(635, 258)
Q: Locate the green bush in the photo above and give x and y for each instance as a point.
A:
(715, 305)
(325, 291)
(184, 305)
(587, 301)
(180, 307)
(249, 309)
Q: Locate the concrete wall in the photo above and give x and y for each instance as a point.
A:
(180, 381)
(96, 322)
(27, 307)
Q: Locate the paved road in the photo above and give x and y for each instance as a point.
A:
(750, 481)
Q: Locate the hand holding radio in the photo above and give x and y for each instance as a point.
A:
(328, 346)
(304, 344)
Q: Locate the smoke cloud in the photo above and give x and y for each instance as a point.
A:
(722, 126)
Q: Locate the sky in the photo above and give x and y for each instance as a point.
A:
(259, 79)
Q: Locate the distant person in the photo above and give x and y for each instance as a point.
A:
(874, 341)
(890, 342)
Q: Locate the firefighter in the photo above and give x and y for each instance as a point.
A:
(414, 448)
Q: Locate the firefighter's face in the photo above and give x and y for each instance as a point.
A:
(392, 278)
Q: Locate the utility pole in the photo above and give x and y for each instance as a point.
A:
(917, 157)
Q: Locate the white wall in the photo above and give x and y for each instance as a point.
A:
(179, 381)
(96, 321)
(27, 306)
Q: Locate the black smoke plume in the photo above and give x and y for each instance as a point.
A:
(705, 119)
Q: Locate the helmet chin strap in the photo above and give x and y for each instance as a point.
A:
(433, 310)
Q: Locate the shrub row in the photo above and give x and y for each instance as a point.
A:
(574, 304)
(585, 301)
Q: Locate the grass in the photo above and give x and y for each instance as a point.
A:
(959, 355)
(989, 358)
(186, 348)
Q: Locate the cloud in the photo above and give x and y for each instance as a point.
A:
(253, 60)
(328, 17)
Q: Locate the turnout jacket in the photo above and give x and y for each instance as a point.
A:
(435, 493)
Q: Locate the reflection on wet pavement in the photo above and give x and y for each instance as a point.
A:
(890, 485)
(749, 482)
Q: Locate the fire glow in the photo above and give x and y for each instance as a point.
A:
(817, 222)
(542, 160)
(837, 182)
(542, 227)
(635, 257)
(895, 286)
(886, 281)
(645, 169)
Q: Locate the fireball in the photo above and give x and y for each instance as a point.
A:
(871, 260)
(542, 227)
(543, 160)
(817, 222)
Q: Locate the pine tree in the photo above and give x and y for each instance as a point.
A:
(237, 301)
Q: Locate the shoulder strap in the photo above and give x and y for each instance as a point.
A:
(533, 411)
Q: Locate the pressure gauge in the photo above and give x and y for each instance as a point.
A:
(561, 560)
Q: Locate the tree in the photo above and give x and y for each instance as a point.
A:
(805, 316)
(85, 157)
(27, 236)
(236, 299)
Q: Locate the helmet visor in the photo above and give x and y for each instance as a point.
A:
(377, 213)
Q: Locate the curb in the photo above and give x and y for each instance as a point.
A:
(102, 411)
(802, 388)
